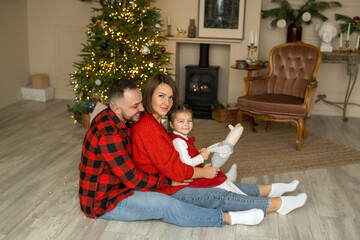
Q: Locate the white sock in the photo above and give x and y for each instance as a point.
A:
(250, 217)
(278, 189)
(232, 173)
(290, 203)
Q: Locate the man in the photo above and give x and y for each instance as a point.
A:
(107, 174)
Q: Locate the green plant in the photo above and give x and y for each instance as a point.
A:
(297, 17)
(218, 105)
(76, 108)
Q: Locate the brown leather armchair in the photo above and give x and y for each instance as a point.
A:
(287, 92)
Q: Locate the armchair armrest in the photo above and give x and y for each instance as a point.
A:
(310, 96)
(256, 85)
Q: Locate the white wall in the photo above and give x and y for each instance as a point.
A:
(56, 31)
(14, 62)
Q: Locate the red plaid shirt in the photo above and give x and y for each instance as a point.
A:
(107, 172)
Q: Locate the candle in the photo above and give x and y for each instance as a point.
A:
(357, 42)
(340, 40)
(256, 39)
(251, 40)
(169, 21)
(348, 33)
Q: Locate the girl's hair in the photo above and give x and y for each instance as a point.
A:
(183, 108)
(149, 89)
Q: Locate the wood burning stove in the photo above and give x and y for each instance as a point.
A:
(201, 85)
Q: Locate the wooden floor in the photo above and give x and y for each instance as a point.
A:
(40, 152)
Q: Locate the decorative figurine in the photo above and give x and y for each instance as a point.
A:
(326, 31)
(181, 33)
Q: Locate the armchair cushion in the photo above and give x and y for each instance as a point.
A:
(273, 104)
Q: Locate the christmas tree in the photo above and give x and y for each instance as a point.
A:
(124, 42)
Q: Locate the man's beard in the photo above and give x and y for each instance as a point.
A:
(135, 118)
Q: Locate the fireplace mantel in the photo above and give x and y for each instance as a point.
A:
(204, 40)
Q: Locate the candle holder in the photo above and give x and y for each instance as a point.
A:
(169, 31)
(347, 46)
(252, 52)
(341, 49)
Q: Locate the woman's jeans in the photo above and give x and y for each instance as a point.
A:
(217, 198)
(188, 207)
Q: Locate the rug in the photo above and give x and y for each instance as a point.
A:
(261, 153)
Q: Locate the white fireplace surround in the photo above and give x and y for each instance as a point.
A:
(223, 53)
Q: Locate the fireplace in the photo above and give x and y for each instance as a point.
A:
(201, 85)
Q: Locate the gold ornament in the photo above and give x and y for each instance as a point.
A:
(181, 33)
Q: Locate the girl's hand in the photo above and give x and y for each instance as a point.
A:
(205, 153)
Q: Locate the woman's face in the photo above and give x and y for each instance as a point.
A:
(162, 100)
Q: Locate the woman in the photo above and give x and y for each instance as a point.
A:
(154, 152)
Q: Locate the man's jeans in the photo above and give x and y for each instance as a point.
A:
(188, 207)
(153, 205)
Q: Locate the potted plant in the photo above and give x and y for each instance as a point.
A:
(80, 113)
(294, 18)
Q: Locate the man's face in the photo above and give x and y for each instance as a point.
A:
(130, 106)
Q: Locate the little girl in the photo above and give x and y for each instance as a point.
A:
(181, 122)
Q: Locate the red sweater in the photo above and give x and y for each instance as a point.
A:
(153, 152)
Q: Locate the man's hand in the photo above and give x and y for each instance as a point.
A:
(205, 153)
(186, 182)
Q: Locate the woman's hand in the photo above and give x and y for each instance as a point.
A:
(209, 171)
(206, 172)
(205, 153)
(186, 182)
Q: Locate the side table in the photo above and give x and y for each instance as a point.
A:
(250, 69)
(352, 61)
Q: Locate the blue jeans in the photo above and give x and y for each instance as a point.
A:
(216, 198)
(153, 205)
